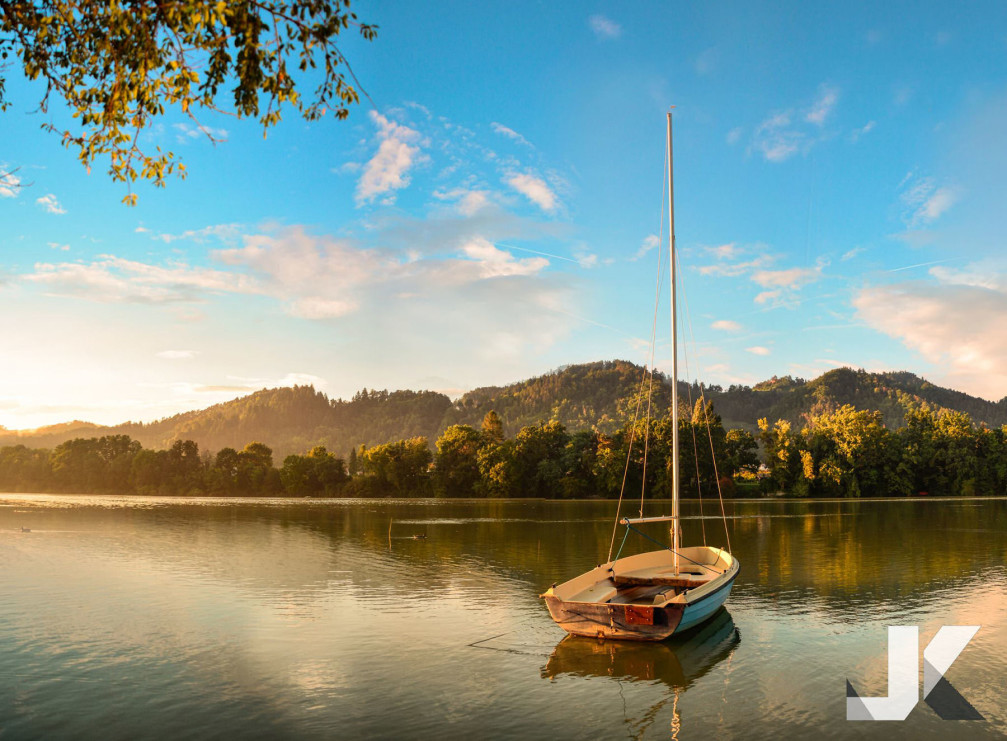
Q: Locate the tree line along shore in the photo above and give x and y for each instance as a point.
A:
(841, 453)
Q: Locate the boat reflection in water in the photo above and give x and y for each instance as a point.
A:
(678, 662)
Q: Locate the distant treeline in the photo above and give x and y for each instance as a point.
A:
(542, 460)
(844, 453)
(850, 453)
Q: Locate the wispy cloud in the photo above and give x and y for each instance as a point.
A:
(726, 325)
(734, 135)
(786, 133)
(185, 133)
(758, 350)
(114, 279)
(867, 128)
(649, 242)
(954, 321)
(221, 232)
(790, 278)
(468, 202)
(734, 269)
(387, 171)
(50, 204)
(925, 201)
(828, 96)
(603, 27)
(10, 183)
(510, 134)
(535, 189)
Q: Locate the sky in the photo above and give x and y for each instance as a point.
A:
(492, 212)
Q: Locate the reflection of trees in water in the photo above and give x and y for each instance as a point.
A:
(833, 557)
(795, 555)
(678, 663)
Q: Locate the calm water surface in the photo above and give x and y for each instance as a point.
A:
(153, 618)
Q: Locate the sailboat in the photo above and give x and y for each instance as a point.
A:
(650, 596)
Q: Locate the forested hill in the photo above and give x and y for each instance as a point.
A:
(289, 420)
(793, 399)
(601, 395)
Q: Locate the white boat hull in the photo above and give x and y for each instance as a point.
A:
(642, 597)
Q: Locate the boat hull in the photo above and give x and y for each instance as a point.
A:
(621, 622)
(638, 622)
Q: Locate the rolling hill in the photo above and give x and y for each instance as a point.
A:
(601, 395)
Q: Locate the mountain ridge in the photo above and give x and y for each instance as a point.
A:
(600, 395)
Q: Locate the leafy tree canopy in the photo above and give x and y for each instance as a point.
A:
(119, 65)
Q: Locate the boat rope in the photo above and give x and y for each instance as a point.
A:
(625, 472)
(621, 546)
(669, 548)
(709, 432)
(643, 378)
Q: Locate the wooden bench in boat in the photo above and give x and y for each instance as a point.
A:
(660, 577)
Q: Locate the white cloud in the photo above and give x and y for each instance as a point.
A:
(724, 251)
(758, 350)
(113, 279)
(604, 28)
(10, 183)
(925, 201)
(734, 269)
(780, 136)
(865, 129)
(767, 296)
(734, 135)
(852, 253)
(467, 202)
(50, 204)
(726, 325)
(177, 354)
(494, 262)
(827, 98)
(387, 171)
(775, 140)
(187, 133)
(534, 189)
(223, 232)
(790, 278)
(956, 323)
(58, 246)
(509, 133)
(649, 242)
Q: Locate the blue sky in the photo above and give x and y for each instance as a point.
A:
(839, 197)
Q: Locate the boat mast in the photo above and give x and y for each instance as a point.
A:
(674, 357)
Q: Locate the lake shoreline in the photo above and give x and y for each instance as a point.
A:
(471, 500)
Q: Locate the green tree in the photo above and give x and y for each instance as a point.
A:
(456, 464)
(400, 468)
(538, 451)
(741, 452)
(783, 458)
(118, 66)
(492, 428)
(315, 474)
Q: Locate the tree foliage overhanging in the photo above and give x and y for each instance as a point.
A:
(119, 65)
